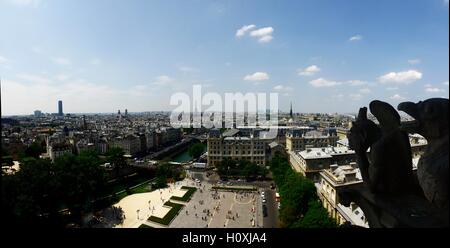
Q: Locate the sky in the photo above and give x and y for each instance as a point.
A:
(323, 56)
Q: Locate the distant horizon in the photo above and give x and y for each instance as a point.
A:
(323, 56)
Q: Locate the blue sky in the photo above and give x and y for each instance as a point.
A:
(324, 56)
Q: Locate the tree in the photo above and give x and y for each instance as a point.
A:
(115, 156)
(298, 197)
(34, 150)
(35, 194)
(196, 150)
(315, 217)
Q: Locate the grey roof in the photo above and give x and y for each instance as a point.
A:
(273, 144)
(230, 133)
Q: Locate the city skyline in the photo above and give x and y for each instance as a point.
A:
(321, 56)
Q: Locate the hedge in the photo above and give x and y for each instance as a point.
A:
(145, 226)
(173, 212)
(187, 196)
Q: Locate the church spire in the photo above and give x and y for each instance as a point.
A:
(290, 112)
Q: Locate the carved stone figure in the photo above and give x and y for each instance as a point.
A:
(394, 196)
(431, 121)
(387, 167)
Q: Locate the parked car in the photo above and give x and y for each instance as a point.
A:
(264, 200)
(264, 210)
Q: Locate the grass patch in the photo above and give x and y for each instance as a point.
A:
(234, 188)
(170, 215)
(187, 196)
(145, 226)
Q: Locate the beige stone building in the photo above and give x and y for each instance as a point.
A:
(298, 141)
(231, 146)
(332, 181)
(311, 161)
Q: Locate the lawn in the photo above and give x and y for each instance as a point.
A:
(187, 196)
(145, 226)
(170, 215)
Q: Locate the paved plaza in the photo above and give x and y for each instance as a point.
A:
(212, 209)
(138, 208)
(207, 208)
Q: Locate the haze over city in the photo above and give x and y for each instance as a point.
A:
(323, 56)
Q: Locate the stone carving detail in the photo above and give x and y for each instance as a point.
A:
(431, 121)
(393, 196)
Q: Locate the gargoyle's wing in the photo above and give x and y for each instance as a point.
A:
(386, 115)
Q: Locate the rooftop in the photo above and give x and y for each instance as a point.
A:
(324, 152)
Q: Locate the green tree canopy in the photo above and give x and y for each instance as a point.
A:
(315, 217)
(196, 150)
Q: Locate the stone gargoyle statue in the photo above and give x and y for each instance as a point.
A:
(387, 167)
(431, 121)
(384, 157)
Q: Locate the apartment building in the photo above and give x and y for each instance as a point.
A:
(334, 180)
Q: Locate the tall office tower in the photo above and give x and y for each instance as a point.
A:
(126, 112)
(37, 113)
(118, 112)
(60, 108)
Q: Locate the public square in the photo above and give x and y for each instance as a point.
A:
(207, 208)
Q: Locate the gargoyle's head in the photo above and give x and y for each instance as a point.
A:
(363, 132)
(431, 117)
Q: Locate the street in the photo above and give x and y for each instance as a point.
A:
(271, 220)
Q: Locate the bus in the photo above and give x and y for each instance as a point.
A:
(277, 197)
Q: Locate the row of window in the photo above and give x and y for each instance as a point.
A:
(236, 152)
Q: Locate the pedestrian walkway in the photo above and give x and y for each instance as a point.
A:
(138, 208)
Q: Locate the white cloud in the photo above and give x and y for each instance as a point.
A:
(338, 96)
(392, 88)
(430, 89)
(398, 97)
(282, 88)
(257, 76)
(32, 78)
(365, 91)
(403, 77)
(445, 83)
(355, 38)
(433, 90)
(162, 80)
(414, 61)
(266, 39)
(308, 71)
(321, 82)
(95, 61)
(25, 3)
(356, 97)
(242, 31)
(61, 61)
(356, 82)
(3, 60)
(187, 69)
(263, 34)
